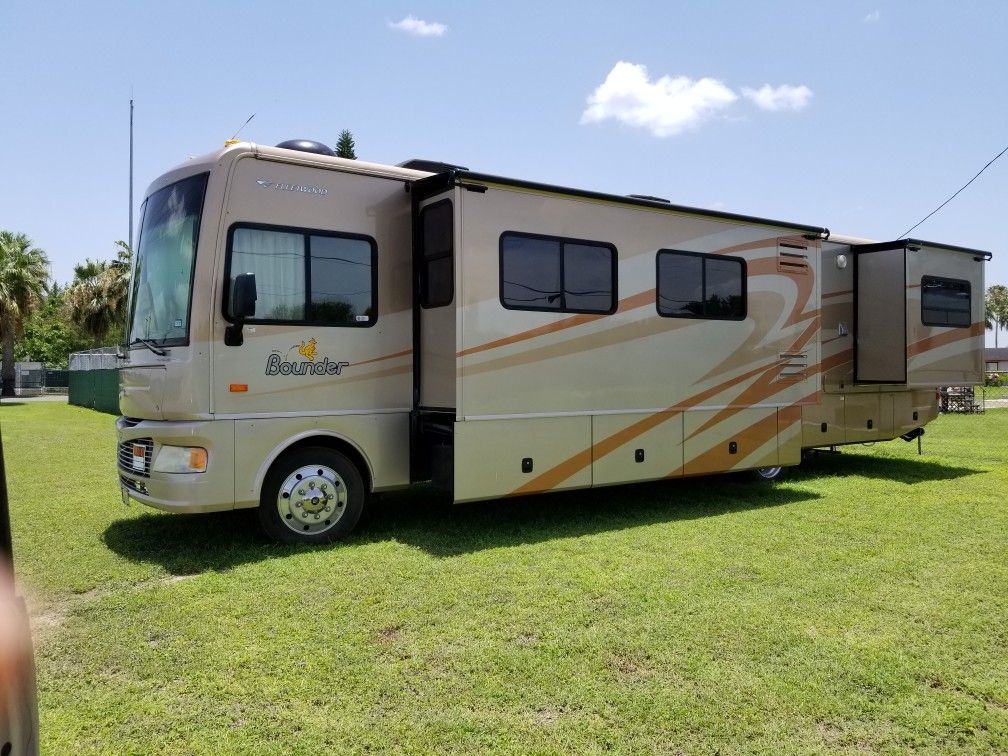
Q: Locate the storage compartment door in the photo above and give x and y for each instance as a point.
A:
(880, 317)
(495, 458)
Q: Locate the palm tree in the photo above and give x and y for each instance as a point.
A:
(996, 309)
(96, 300)
(24, 275)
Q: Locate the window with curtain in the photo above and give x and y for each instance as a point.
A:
(306, 276)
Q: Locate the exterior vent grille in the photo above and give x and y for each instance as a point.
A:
(130, 458)
(793, 366)
(792, 257)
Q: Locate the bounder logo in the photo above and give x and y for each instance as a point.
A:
(277, 364)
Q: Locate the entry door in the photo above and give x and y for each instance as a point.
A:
(435, 298)
(880, 316)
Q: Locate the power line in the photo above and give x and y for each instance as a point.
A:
(954, 195)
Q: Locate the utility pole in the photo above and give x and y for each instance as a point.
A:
(131, 178)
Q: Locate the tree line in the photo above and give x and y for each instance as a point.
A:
(42, 321)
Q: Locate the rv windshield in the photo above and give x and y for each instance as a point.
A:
(162, 274)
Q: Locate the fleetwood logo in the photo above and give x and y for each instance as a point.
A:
(309, 365)
(283, 186)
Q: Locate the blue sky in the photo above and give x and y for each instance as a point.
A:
(891, 107)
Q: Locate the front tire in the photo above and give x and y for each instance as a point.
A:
(311, 495)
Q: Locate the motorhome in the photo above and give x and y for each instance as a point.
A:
(305, 330)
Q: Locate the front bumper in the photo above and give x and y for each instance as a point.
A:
(210, 491)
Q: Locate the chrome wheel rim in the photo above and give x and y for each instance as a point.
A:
(312, 499)
(768, 472)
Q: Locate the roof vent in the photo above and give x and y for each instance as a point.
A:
(431, 166)
(307, 145)
(650, 198)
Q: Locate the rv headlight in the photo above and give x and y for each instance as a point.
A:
(181, 459)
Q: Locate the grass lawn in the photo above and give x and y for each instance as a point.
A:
(860, 605)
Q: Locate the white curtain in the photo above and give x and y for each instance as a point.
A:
(278, 261)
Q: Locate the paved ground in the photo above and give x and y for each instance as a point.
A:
(42, 398)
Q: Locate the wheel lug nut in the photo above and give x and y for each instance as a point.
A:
(327, 507)
(316, 517)
(301, 491)
(312, 484)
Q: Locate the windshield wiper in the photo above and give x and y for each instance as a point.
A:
(157, 350)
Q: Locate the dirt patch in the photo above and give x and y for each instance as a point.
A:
(389, 634)
(630, 665)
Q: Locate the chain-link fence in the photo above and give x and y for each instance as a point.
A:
(38, 381)
(102, 358)
(93, 379)
(34, 379)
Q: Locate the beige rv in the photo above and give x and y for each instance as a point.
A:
(305, 330)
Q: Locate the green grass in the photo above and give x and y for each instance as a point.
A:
(860, 605)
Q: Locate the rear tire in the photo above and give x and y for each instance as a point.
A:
(311, 495)
(770, 473)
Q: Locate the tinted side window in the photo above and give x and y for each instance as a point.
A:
(694, 285)
(437, 286)
(306, 276)
(945, 302)
(341, 277)
(555, 274)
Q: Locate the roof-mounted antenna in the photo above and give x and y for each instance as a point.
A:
(233, 140)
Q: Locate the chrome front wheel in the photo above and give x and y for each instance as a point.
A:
(311, 495)
(312, 499)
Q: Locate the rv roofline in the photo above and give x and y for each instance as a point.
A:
(851, 240)
(207, 162)
(342, 164)
(980, 254)
(460, 177)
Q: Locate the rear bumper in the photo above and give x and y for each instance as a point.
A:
(209, 491)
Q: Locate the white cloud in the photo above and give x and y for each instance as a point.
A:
(666, 107)
(418, 27)
(872, 17)
(784, 97)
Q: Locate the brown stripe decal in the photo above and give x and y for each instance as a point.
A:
(837, 293)
(712, 460)
(634, 301)
(763, 387)
(380, 359)
(630, 303)
(942, 339)
(559, 473)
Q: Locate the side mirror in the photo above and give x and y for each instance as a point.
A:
(243, 305)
